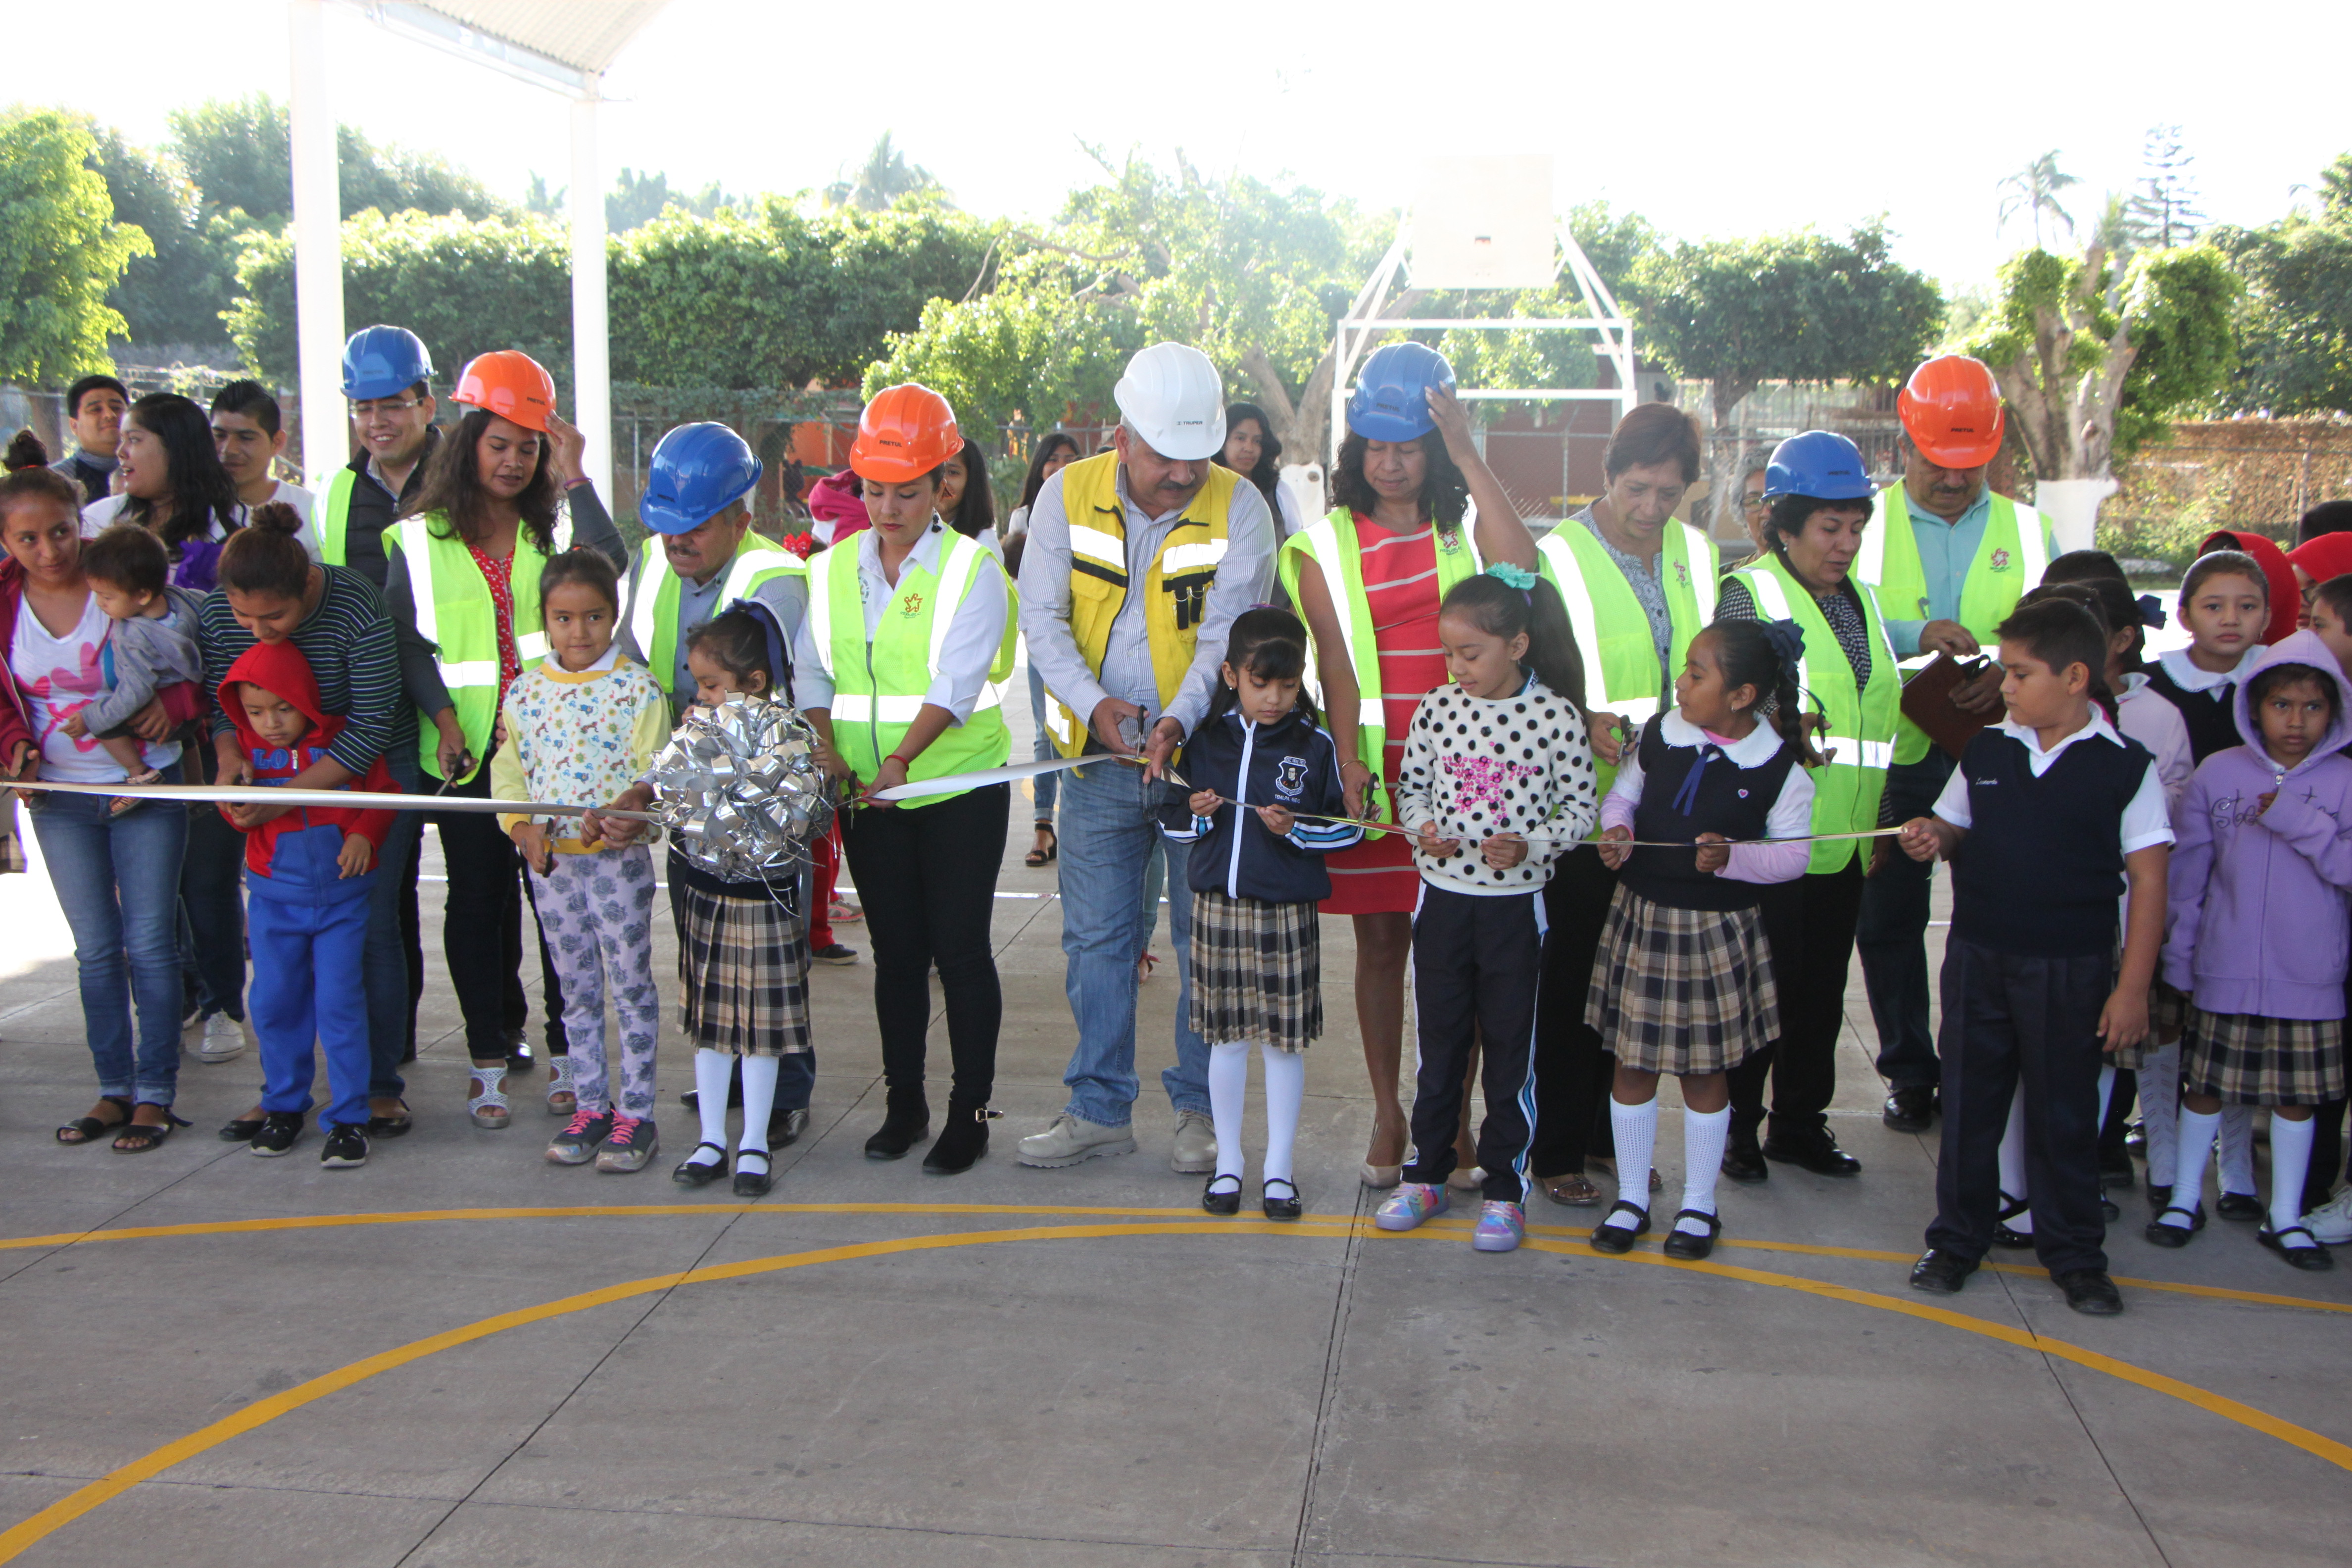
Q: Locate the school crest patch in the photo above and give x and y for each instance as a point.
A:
(1290, 778)
(2000, 559)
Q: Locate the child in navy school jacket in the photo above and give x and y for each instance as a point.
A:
(1261, 770)
(2047, 817)
(309, 875)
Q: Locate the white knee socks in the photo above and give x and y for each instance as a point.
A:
(2290, 1162)
(1636, 1129)
(712, 1071)
(1285, 1092)
(1228, 1089)
(1704, 1133)
(2159, 1111)
(2189, 1170)
(2237, 1149)
(759, 1099)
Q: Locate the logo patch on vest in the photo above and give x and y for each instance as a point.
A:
(1682, 573)
(911, 605)
(1290, 778)
(2000, 559)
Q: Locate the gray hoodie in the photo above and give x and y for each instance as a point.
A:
(145, 653)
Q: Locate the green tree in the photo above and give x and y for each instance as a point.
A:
(177, 294)
(2296, 323)
(638, 199)
(2162, 211)
(2087, 381)
(240, 153)
(883, 180)
(61, 252)
(2033, 190)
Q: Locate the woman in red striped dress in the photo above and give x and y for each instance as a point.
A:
(1373, 571)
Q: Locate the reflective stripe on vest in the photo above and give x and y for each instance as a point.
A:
(879, 684)
(2009, 559)
(1859, 741)
(653, 615)
(1334, 545)
(1175, 586)
(454, 613)
(334, 519)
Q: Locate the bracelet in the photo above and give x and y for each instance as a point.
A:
(575, 484)
(905, 762)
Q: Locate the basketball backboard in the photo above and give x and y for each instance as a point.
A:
(1484, 222)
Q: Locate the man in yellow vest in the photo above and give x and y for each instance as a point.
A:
(387, 376)
(1138, 561)
(1638, 585)
(1948, 560)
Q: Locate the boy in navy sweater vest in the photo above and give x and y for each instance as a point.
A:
(2047, 817)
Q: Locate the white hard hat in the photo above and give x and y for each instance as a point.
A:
(1176, 401)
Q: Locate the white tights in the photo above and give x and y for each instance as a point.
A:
(1286, 1092)
(712, 1071)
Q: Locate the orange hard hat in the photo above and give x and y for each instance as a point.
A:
(905, 431)
(509, 383)
(1951, 411)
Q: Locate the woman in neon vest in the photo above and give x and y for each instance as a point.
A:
(1820, 495)
(463, 582)
(1367, 580)
(900, 666)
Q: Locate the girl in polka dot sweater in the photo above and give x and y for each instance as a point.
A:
(1498, 782)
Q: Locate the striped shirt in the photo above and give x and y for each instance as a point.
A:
(1400, 594)
(353, 654)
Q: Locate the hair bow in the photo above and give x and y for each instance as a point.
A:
(1787, 641)
(2151, 610)
(1512, 576)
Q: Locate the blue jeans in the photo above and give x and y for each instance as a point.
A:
(118, 881)
(385, 964)
(1108, 825)
(1045, 786)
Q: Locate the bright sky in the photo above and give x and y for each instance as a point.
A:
(1711, 120)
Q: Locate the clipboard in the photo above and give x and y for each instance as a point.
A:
(1927, 702)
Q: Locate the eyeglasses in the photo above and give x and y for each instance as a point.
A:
(387, 409)
(1752, 502)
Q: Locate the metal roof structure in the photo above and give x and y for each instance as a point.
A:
(562, 43)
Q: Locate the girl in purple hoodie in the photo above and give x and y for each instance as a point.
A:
(2257, 929)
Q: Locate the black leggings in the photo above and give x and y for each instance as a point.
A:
(1809, 922)
(927, 877)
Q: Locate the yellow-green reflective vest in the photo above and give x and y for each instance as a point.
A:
(877, 687)
(1621, 672)
(1859, 740)
(653, 598)
(1331, 543)
(455, 613)
(2010, 560)
(334, 519)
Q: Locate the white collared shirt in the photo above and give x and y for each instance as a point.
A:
(974, 637)
(2146, 819)
(2190, 677)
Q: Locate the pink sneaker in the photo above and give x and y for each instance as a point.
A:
(1410, 1205)
(1501, 1228)
(634, 1142)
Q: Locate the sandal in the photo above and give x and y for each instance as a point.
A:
(1048, 855)
(2002, 1235)
(489, 1108)
(122, 803)
(562, 1100)
(392, 1124)
(139, 1137)
(1616, 1239)
(91, 1129)
(691, 1173)
(1575, 1192)
(241, 1130)
(1685, 1244)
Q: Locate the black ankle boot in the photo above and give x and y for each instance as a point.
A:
(906, 1124)
(963, 1141)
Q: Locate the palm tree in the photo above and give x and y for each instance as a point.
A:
(885, 177)
(2035, 188)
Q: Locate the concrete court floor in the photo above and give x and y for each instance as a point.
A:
(898, 1384)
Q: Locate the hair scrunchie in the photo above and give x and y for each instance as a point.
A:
(1512, 576)
(1787, 641)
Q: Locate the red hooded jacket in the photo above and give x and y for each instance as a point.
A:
(279, 668)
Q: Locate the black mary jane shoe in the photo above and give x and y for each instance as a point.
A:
(2312, 1259)
(1616, 1239)
(1690, 1249)
(754, 1184)
(2175, 1236)
(2090, 1293)
(1219, 1202)
(2241, 1207)
(1280, 1208)
(242, 1130)
(690, 1173)
(2002, 1235)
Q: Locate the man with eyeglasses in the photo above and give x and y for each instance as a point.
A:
(387, 376)
(1753, 508)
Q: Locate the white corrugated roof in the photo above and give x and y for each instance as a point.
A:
(581, 35)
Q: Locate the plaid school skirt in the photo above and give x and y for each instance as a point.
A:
(1257, 971)
(744, 967)
(2247, 1060)
(1682, 991)
(2167, 1014)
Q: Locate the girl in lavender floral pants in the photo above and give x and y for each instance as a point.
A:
(599, 913)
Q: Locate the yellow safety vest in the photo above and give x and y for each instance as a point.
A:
(455, 613)
(654, 596)
(1333, 544)
(879, 686)
(1175, 587)
(1860, 740)
(334, 519)
(2010, 560)
(1621, 672)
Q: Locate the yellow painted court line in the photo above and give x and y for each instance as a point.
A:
(64, 1511)
(1025, 1211)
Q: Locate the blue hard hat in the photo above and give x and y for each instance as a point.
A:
(382, 361)
(1388, 405)
(1821, 463)
(698, 471)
